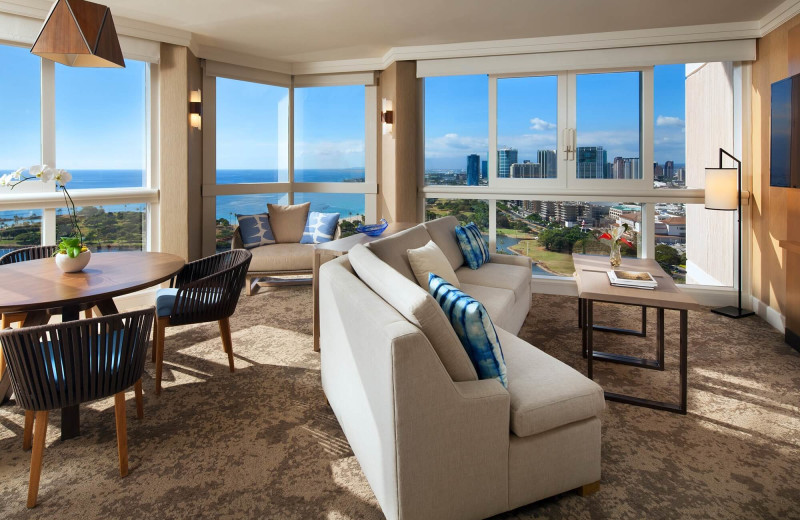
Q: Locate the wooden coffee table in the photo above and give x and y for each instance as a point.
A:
(594, 286)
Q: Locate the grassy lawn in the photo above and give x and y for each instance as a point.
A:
(515, 233)
(560, 263)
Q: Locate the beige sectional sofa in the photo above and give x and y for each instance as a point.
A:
(433, 441)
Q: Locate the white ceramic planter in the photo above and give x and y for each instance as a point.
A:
(73, 265)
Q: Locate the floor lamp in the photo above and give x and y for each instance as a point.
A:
(724, 193)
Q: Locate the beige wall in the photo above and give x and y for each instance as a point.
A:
(181, 150)
(776, 211)
(397, 179)
(710, 246)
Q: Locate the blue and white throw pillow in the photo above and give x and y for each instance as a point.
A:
(320, 227)
(255, 230)
(472, 245)
(473, 327)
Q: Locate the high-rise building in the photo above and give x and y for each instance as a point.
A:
(526, 170)
(484, 169)
(658, 171)
(547, 161)
(473, 169)
(618, 168)
(669, 170)
(591, 162)
(505, 158)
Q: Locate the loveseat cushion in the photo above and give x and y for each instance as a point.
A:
(288, 222)
(443, 232)
(417, 306)
(503, 276)
(545, 393)
(474, 249)
(282, 257)
(320, 227)
(255, 230)
(430, 259)
(392, 249)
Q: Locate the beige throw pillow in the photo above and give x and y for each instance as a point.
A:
(288, 222)
(430, 259)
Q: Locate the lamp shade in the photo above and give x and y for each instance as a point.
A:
(79, 34)
(722, 188)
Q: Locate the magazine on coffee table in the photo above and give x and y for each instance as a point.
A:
(634, 279)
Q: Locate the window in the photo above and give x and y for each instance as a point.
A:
(457, 130)
(252, 132)
(349, 206)
(527, 127)
(101, 125)
(608, 126)
(228, 206)
(20, 228)
(108, 228)
(329, 134)
(465, 210)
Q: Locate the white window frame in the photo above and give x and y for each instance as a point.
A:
(211, 190)
(48, 199)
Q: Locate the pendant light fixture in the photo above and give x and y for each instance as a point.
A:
(79, 34)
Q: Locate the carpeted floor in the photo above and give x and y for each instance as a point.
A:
(262, 443)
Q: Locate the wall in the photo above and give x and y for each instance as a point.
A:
(180, 154)
(397, 179)
(775, 211)
(710, 246)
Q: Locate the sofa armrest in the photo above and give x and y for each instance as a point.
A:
(521, 260)
(236, 240)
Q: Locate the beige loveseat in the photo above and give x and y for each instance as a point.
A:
(433, 440)
(275, 260)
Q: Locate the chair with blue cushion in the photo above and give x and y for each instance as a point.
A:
(65, 364)
(205, 290)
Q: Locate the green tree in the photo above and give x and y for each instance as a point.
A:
(668, 257)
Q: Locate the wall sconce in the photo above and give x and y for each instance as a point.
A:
(387, 117)
(196, 109)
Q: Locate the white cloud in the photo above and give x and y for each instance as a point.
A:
(454, 145)
(669, 121)
(540, 124)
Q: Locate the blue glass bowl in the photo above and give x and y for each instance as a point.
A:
(373, 230)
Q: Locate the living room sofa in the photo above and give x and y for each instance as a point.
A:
(433, 440)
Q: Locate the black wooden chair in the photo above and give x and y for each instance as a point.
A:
(65, 364)
(22, 255)
(205, 290)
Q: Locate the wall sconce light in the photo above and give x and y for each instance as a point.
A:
(196, 109)
(387, 117)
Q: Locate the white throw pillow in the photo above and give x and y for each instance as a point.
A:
(430, 259)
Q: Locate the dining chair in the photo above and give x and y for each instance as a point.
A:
(204, 290)
(22, 255)
(65, 364)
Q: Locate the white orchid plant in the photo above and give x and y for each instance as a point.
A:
(72, 245)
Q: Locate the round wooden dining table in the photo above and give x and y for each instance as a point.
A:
(36, 287)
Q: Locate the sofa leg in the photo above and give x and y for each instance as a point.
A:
(252, 286)
(589, 489)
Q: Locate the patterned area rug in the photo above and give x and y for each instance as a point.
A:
(262, 443)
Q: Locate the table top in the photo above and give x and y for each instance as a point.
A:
(345, 244)
(40, 284)
(593, 284)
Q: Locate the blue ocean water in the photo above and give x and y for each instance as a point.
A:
(347, 204)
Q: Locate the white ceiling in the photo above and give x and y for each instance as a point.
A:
(317, 30)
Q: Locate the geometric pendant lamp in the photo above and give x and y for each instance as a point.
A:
(79, 34)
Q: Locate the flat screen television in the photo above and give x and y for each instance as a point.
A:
(784, 169)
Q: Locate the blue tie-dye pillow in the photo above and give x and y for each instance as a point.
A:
(255, 230)
(473, 327)
(472, 246)
(320, 227)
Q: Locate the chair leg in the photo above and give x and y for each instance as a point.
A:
(158, 346)
(4, 323)
(227, 345)
(122, 432)
(87, 314)
(27, 433)
(137, 387)
(39, 435)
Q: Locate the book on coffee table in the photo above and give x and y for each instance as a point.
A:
(633, 279)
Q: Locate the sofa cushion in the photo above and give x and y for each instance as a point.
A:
(474, 249)
(320, 227)
(288, 222)
(473, 327)
(497, 301)
(417, 306)
(430, 259)
(443, 232)
(393, 249)
(255, 230)
(545, 393)
(282, 257)
(512, 277)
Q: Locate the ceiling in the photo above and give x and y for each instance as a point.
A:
(319, 30)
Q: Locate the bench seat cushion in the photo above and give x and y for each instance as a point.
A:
(282, 257)
(545, 393)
